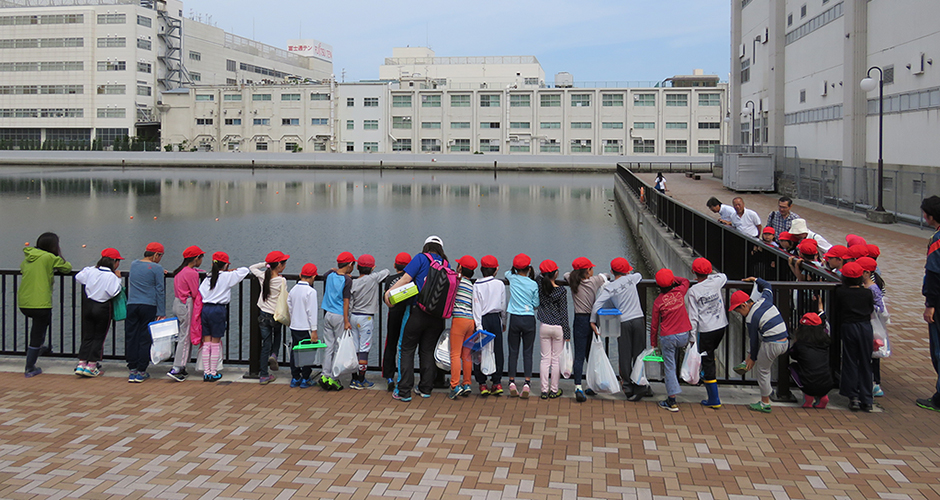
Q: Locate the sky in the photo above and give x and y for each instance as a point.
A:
(594, 40)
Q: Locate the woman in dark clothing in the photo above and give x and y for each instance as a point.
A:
(853, 307)
(809, 360)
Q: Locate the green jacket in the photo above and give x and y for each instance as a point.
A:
(36, 285)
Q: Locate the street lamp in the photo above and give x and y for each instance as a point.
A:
(868, 84)
(750, 112)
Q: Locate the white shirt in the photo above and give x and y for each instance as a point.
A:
(302, 305)
(276, 283)
(620, 294)
(705, 305)
(821, 242)
(489, 295)
(222, 293)
(101, 284)
(725, 212)
(747, 223)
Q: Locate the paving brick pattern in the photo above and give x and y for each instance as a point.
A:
(63, 437)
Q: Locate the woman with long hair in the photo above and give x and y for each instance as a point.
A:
(34, 296)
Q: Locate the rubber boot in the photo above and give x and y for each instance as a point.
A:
(32, 355)
(711, 387)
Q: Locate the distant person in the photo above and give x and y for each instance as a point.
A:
(853, 306)
(871, 280)
(660, 183)
(584, 285)
(272, 285)
(553, 328)
(809, 360)
(835, 258)
(786, 242)
(724, 211)
(622, 294)
(337, 300)
(461, 329)
(523, 301)
(216, 291)
(34, 296)
(146, 303)
(396, 314)
(363, 307)
(930, 208)
(799, 231)
(489, 311)
(781, 218)
(669, 330)
(745, 220)
(302, 307)
(187, 306)
(102, 283)
(768, 235)
(706, 309)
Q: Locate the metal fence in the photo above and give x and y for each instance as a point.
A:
(668, 166)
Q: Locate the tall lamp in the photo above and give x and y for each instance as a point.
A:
(750, 112)
(869, 84)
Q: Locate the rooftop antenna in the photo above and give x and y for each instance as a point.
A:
(344, 75)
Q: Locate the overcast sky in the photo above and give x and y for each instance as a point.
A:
(594, 40)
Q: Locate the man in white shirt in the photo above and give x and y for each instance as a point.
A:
(745, 220)
(724, 211)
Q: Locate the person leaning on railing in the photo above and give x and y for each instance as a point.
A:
(34, 296)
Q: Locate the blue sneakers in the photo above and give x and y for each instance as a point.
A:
(132, 377)
(403, 399)
(304, 383)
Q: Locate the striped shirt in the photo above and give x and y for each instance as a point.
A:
(764, 323)
(463, 303)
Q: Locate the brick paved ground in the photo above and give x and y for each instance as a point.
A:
(64, 437)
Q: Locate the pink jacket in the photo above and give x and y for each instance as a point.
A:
(186, 285)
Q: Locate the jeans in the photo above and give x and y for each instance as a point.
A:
(421, 334)
(298, 372)
(630, 345)
(37, 334)
(582, 344)
(707, 343)
(137, 338)
(670, 345)
(268, 327)
(521, 329)
(934, 330)
(856, 381)
(389, 357)
(96, 321)
(552, 339)
(493, 324)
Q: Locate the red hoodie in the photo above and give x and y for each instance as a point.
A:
(669, 314)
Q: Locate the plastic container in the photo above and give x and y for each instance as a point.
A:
(402, 293)
(305, 352)
(479, 339)
(608, 323)
(169, 327)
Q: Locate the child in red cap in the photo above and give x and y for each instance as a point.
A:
(873, 282)
(216, 290)
(102, 283)
(146, 302)
(523, 301)
(706, 308)
(337, 293)
(584, 285)
(302, 306)
(272, 285)
(621, 294)
(396, 314)
(363, 307)
(462, 327)
(553, 328)
(853, 306)
(187, 306)
(669, 329)
(809, 360)
(489, 314)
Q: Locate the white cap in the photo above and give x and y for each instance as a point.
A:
(434, 239)
(798, 226)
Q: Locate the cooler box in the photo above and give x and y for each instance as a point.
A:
(479, 339)
(402, 293)
(305, 352)
(608, 322)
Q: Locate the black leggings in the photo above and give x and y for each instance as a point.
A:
(41, 320)
(96, 321)
(707, 343)
(521, 329)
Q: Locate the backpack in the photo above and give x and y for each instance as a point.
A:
(439, 291)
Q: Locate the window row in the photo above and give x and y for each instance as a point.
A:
(46, 19)
(41, 43)
(43, 66)
(41, 89)
(42, 113)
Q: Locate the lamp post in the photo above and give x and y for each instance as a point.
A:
(750, 112)
(868, 84)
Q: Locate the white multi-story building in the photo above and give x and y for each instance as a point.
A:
(72, 71)
(420, 63)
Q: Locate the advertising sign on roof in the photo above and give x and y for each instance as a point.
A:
(311, 48)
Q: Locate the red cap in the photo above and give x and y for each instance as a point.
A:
(857, 251)
(701, 265)
(811, 319)
(308, 270)
(853, 239)
(873, 251)
(366, 260)
(837, 251)
(192, 251)
(620, 265)
(491, 262)
(276, 256)
(664, 277)
(868, 264)
(111, 253)
(467, 262)
(582, 263)
(769, 230)
(808, 247)
(403, 258)
(737, 298)
(547, 266)
(220, 257)
(154, 247)
(785, 236)
(520, 261)
(852, 270)
(345, 258)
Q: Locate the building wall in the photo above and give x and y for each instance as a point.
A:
(492, 72)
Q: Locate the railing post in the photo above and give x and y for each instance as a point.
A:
(783, 394)
(254, 332)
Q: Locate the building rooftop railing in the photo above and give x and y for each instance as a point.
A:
(399, 61)
(249, 46)
(9, 4)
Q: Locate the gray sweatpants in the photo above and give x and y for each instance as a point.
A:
(184, 314)
(769, 351)
(331, 329)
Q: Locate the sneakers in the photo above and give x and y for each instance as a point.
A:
(366, 384)
(867, 408)
(466, 390)
(334, 384)
(295, 382)
(403, 399)
(323, 383)
(419, 393)
(80, 370)
(556, 394)
(267, 379)
(855, 405)
(304, 383)
(391, 384)
(212, 378)
(641, 392)
(32, 373)
(484, 390)
(590, 392)
(877, 392)
(132, 377)
(669, 404)
(272, 363)
(87, 371)
(525, 392)
(821, 403)
(579, 396)
(455, 392)
(497, 389)
(177, 375)
(544, 395)
(355, 385)
(928, 404)
(512, 389)
(760, 406)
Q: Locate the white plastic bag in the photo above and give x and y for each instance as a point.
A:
(639, 368)
(600, 374)
(161, 349)
(692, 365)
(882, 346)
(442, 352)
(566, 360)
(346, 359)
(488, 359)
(200, 366)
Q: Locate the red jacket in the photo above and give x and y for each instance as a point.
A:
(669, 314)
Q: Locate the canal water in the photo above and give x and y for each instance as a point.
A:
(313, 215)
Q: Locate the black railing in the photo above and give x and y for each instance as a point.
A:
(668, 166)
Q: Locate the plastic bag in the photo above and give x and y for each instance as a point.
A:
(346, 359)
(600, 374)
(488, 359)
(119, 305)
(161, 349)
(566, 360)
(200, 366)
(442, 352)
(639, 368)
(882, 346)
(281, 310)
(692, 365)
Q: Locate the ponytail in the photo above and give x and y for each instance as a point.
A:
(185, 263)
(266, 282)
(544, 282)
(217, 266)
(575, 278)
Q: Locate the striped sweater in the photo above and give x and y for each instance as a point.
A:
(463, 302)
(764, 323)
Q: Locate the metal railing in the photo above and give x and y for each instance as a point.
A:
(669, 166)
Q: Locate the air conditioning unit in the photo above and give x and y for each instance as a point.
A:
(919, 64)
(825, 88)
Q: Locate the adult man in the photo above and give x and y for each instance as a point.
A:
(781, 218)
(745, 220)
(931, 290)
(724, 211)
(799, 232)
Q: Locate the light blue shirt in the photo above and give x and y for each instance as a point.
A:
(523, 295)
